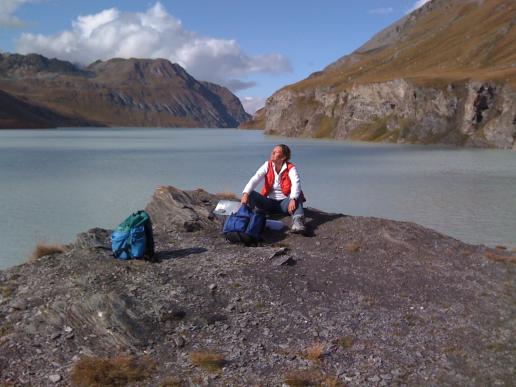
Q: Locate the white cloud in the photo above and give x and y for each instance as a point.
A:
(381, 11)
(252, 104)
(7, 10)
(418, 4)
(154, 34)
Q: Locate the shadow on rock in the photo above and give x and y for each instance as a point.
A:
(313, 219)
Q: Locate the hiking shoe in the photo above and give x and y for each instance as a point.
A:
(298, 225)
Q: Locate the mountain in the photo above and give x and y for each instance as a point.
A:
(16, 114)
(446, 73)
(120, 92)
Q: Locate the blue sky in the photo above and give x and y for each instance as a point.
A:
(254, 48)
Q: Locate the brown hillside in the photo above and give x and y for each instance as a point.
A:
(18, 114)
(447, 40)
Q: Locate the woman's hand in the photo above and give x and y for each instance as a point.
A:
(245, 198)
(292, 206)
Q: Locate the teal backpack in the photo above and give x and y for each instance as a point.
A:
(133, 237)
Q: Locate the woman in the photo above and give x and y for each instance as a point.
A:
(281, 191)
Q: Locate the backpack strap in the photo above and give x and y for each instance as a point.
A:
(126, 249)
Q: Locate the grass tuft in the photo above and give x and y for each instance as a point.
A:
(315, 352)
(345, 342)
(5, 330)
(210, 361)
(43, 249)
(501, 258)
(6, 291)
(228, 196)
(352, 247)
(171, 381)
(117, 371)
(298, 380)
(332, 381)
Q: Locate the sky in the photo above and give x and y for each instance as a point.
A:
(253, 48)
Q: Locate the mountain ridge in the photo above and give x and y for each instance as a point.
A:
(120, 92)
(446, 74)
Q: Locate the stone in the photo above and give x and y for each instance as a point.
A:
(55, 378)
(283, 260)
(179, 341)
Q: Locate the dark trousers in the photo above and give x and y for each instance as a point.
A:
(271, 206)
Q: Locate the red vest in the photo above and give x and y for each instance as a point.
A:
(285, 182)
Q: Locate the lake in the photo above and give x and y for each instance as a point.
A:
(57, 183)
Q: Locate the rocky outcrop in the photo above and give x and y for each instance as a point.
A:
(358, 301)
(413, 83)
(121, 92)
(474, 113)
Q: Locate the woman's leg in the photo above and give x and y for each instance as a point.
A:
(299, 211)
(260, 202)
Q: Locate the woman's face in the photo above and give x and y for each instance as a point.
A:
(277, 154)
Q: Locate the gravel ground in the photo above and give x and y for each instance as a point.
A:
(357, 301)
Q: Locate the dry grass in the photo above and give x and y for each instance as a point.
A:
(6, 291)
(500, 258)
(332, 381)
(5, 330)
(345, 342)
(210, 361)
(452, 43)
(311, 377)
(299, 379)
(171, 381)
(352, 247)
(228, 196)
(43, 249)
(117, 371)
(315, 352)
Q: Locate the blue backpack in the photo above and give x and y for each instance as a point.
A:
(244, 227)
(133, 237)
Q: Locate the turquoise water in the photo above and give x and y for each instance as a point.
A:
(56, 183)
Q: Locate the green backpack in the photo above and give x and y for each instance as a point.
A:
(133, 237)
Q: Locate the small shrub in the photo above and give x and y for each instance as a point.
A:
(6, 291)
(117, 371)
(43, 249)
(315, 352)
(307, 377)
(228, 196)
(210, 361)
(345, 342)
(498, 257)
(5, 330)
(352, 247)
(332, 382)
(171, 382)
(298, 380)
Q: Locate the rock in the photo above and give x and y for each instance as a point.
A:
(179, 341)
(363, 309)
(55, 378)
(283, 260)
(278, 252)
(55, 335)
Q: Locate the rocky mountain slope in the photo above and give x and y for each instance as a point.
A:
(120, 92)
(359, 301)
(446, 73)
(16, 113)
